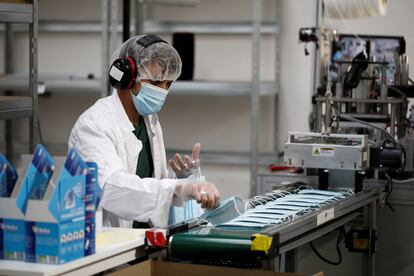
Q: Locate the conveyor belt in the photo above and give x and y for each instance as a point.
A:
(208, 245)
(249, 246)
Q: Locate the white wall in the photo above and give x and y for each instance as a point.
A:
(219, 123)
(296, 74)
(395, 248)
(296, 68)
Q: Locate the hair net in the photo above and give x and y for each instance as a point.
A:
(158, 62)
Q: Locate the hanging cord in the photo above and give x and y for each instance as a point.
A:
(391, 186)
(405, 100)
(341, 234)
(350, 118)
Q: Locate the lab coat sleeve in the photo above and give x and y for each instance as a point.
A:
(124, 194)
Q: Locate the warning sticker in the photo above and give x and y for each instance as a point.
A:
(325, 216)
(323, 151)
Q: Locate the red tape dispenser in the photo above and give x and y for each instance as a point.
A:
(156, 237)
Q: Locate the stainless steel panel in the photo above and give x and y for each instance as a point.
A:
(315, 150)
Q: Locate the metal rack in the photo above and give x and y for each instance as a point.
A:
(110, 28)
(166, 27)
(12, 107)
(255, 88)
(78, 84)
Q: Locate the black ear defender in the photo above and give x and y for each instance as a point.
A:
(123, 71)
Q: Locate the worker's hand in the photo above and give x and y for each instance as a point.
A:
(184, 167)
(204, 193)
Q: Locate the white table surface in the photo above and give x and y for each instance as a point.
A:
(115, 246)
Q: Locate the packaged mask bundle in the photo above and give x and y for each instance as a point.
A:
(191, 208)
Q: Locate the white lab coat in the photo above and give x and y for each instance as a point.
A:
(104, 134)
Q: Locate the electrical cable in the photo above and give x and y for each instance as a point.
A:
(403, 181)
(405, 100)
(389, 192)
(350, 118)
(404, 154)
(388, 195)
(337, 250)
(399, 91)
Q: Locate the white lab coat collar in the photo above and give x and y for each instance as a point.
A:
(150, 121)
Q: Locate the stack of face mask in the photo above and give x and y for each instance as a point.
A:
(284, 208)
(191, 208)
(228, 209)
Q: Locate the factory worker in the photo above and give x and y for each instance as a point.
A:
(123, 135)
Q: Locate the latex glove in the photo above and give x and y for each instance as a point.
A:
(205, 193)
(184, 167)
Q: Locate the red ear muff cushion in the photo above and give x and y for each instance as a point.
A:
(133, 72)
(122, 73)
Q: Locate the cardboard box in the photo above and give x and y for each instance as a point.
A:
(58, 219)
(18, 233)
(159, 268)
(50, 217)
(8, 178)
(92, 199)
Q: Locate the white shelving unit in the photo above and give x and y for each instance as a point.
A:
(13, 107)
(110, 27)
(166, 27)
(254, 88)
(77, 84)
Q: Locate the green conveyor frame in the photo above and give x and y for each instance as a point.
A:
(206, 244)
(248, 247)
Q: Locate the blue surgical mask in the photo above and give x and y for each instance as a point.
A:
(150, 99)
(227, 210)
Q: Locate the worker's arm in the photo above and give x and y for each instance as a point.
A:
(124, 194)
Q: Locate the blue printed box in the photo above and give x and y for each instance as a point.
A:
(8, 178)
(17, 232)
(92, 199)
(59, 218)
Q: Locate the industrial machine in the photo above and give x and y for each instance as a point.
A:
(359, 121)
(360, 141)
